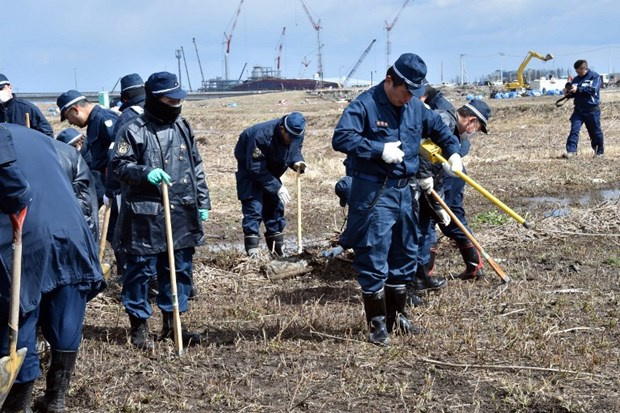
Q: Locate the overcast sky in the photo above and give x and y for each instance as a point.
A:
(49, 46)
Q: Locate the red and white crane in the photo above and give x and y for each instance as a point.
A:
(317, 26)
(388, 29)
(279, 52)
(228, 38)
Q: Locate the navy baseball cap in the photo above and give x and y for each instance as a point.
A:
(4, 80)
(68, 99)
(165, 84)
(69, 136)
(295, 125)
(343, 189)
(412, 70)
(482, 112)
(131, 81)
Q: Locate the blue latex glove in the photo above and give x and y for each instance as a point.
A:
(157, 175)
(204, 214)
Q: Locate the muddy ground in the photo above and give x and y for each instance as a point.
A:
(546, 342)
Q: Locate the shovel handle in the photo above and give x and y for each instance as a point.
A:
(17, 222)
(104, 231)
(299, 237)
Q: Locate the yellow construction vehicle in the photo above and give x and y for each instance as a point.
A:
(520, 82)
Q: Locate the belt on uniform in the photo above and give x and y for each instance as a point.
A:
(390, 182)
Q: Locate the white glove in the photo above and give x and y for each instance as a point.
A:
(426, 184)
(284, 195)
(443, 216)
(106, 201)
(392, 153)
(456, 165)
(300, 166)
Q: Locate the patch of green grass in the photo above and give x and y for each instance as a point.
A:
(492, 217)
(613, 261)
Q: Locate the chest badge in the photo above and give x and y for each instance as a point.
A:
(381, 124)
(256, 153)
(183, 147)
(123, 148)
(108, 123)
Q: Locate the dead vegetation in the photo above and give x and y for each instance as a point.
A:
(547, 342)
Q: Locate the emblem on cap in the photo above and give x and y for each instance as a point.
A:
(123, 148)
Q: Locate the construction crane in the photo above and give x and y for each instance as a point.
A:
(304, 65)
(279, 52)
(202, 75)
(359, 62)
(186, 71)
(317, 26)
(228, 38)
(388, 29)
(520, 83)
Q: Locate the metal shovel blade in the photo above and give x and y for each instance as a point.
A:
(9, 367)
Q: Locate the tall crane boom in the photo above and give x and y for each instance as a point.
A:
(202, 75)
(317, 26)
(228, 38)
(186, 71)
(388, 29)
(279, 52)
(359, 62)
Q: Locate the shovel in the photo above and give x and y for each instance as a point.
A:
(176, 316)
(300, 247)
(105, 267)
(454, 218)
(10, 365)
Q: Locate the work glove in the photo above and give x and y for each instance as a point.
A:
(455, 165)
(204, 214)
(444, 218)
(426, 184)
(106, 200)
(392, 153)
(284, 195)
(157, 175)
(300, 166)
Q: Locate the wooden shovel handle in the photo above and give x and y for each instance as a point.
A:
(17, 221)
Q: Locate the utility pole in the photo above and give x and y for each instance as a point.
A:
(501, 67)
(75, 77)
(177, 54)
(388, 29)
(186, 71)
(462, 68)
(202, 76)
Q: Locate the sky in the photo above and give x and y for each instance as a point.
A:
(53, 46)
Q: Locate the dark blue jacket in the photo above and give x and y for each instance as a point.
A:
(58, 248)
(371, 120)
(99, 137)
(14, 111)
(588, 95)
(15, 191)
(262, 157)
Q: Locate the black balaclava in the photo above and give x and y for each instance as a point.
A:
(161, 111)
(130, 97)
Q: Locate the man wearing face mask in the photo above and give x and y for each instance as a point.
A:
(465, 122)
(14, 110)
(159, 146)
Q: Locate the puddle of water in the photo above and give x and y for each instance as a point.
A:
(582, 200)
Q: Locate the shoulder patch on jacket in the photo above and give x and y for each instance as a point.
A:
(256, 153)
(108, 123)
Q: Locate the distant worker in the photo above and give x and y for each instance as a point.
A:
(264, 152)
(380, 132)
(60, 273)
(586, 89)
(99, 123)
(14, 110)
(159, 147)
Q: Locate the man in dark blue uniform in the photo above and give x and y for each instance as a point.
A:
(14, 110)
(380, 131)
(60, 272)
(264, 152)
(586, 89)
(99, 123)
(158, 147)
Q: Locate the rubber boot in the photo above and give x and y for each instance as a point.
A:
(193, 293)
(275, 243)
(473, 262)
(251, 245)
(431, 261)
(19, 398)
(140, 334)
(424, 282)
(395, 303)
(374, 306)
(413, 299)
(167, 331)
(57, 382)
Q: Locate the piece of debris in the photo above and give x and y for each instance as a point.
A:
(283, 269)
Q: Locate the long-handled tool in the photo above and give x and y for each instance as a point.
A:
(176, 316)
(27, 120)
(434, 154)
(105, 267)
(469, 236)
(10, 365)
(300, 247)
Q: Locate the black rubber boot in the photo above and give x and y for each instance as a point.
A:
(395, 302)
(473, 262)
(413, 299)
(251, 245)
(140, 334)
(19, 398)
(167, 331)
(57, 382)
(275, 243)
(424, 282)
(374, 306)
